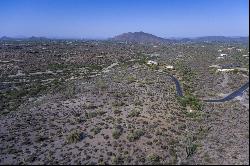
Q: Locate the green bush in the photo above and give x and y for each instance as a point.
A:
(135, 135)
(131, 79)
(96, 130)
(118, 103)
(190, 150)
(93, 114)
(117, 132)
(74, 137)
(101, 85)
(154, 158)
(134, 113)
(192, 101)
(117, 160)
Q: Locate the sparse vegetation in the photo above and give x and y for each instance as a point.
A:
(55, 94)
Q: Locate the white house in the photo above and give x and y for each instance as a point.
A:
(223, 55)
(150, 62)
(225, 70)
(169, 67)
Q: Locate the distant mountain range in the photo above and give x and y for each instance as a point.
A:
(146, 38)
(32, 38)
(142, 37)
(221, 39)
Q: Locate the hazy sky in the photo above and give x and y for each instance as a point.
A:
(106, 18)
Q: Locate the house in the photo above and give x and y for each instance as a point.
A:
(169, 67)
(225, 70)
(222, 55)
(150, 62)
(230, 48)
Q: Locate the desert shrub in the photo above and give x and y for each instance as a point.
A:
(191, 146)
(96, 130)
(117, 111)
(134, 113)
(118, 103)
(131, 79)
(190, 100)
(190, 150)
(75, 137)
(153, 158)
(90, 115)
(93, 114)
(101, 85)
(117, 160)
(117, 132)
(135, 135)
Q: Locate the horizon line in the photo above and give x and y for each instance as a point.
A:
(105, 38)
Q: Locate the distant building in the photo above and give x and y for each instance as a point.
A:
(225, 70)
(154, 54)
(169, 67)
(222, 55)
(230, 48)
(150, 62)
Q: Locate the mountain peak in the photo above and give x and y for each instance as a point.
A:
(139, 37)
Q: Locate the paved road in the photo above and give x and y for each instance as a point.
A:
(177, 85)
(236, 93)
(231, 96)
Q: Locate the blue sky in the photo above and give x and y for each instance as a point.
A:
(106, 18)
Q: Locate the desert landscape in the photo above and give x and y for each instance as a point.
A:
(133, 99)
